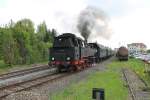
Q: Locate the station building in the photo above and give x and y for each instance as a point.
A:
(136, 48)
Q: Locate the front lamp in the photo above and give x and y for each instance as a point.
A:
(53, 58)
(68, 58)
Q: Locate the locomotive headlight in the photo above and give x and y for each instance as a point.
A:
(68, 58)
(53, 58)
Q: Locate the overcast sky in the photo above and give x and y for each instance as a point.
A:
(129, 19)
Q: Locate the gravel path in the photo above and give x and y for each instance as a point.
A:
(48, 89)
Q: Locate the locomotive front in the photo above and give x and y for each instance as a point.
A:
(64, 52)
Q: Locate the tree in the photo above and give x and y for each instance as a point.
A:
(24, 35)
(19, 44)
(41, 31)
(8, 46)
(45, 38)
(54, 33)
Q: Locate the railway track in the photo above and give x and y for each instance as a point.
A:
(23, 79)
(136, 85)
(22, 72)
(29, 84)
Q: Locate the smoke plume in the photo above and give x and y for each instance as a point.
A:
(93, 22)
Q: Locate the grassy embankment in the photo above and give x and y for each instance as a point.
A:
(136, 65)
(4, 68)
(110, 80)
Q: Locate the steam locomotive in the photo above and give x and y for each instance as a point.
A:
(71, 53)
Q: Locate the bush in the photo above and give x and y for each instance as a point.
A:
(2, 64)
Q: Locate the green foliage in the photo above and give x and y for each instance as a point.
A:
(8, 47)
(20, 44)
(2, 64)
(42, 31)
(23, 32)
(45, 34)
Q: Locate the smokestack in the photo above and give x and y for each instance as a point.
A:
(93, 21)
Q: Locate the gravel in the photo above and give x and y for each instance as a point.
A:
(25, 95)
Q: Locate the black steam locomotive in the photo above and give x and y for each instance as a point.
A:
(70, 53)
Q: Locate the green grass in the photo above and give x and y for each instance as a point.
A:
(110, 80)
(136, 65)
